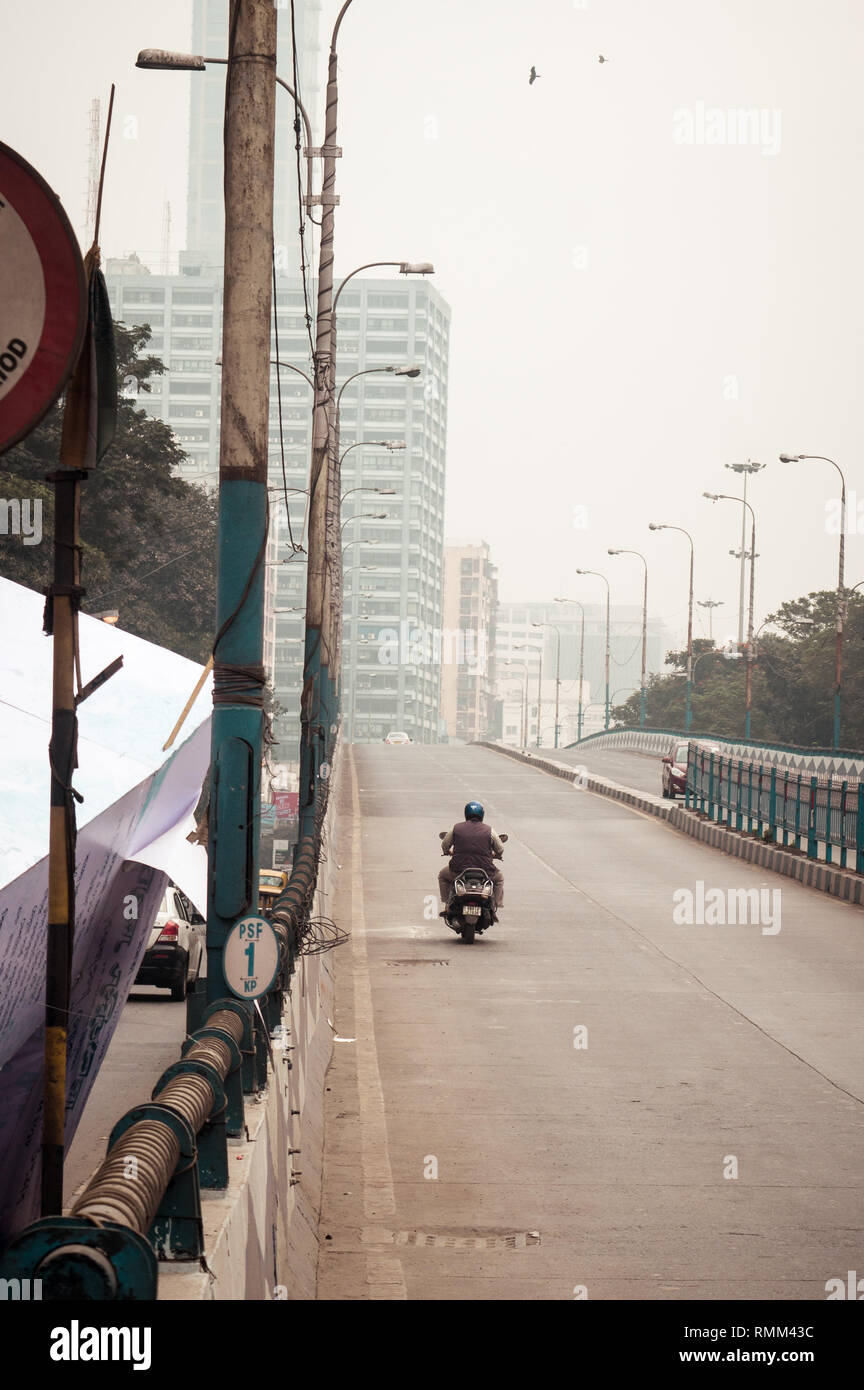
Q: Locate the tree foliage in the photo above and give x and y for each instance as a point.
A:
(148, 537)
(793, 681)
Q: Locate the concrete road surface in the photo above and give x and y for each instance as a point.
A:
(593, 1100)
(638, 770)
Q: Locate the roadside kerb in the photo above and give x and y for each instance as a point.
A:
(826, 878)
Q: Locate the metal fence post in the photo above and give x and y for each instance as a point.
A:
(812, 844)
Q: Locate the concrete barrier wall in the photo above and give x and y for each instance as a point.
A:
(261, 1236)
(654, 741)
(813, 873)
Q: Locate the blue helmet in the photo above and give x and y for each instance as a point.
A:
(474, 811)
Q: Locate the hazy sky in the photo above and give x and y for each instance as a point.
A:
(636, 299)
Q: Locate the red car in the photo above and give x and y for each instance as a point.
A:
(674, 773)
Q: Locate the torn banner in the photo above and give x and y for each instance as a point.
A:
(120, 880)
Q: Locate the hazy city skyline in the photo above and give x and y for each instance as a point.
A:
(645, 283)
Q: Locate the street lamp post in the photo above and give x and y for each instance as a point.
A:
(381, 491)
(524, 708)
(364, 516)
(841, 605)
(578, 605)
(748, 697)
(389, 444)
(530, 647)
(644, 630)
(557, 632)
(688, 713)
(598, 575)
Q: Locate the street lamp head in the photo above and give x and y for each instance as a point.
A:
(416, 268)
(392, 444)
(385, 491)
(404, 371)
(656, 526)
(164, 58)
(712, 496)
(614, 552)
(791, 458)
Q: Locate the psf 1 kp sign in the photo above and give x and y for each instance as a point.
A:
(251, 957)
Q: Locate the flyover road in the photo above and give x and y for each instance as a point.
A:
(638, 770)
(591, 1101)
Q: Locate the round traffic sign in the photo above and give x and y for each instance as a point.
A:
(251, 957)
(43, 302)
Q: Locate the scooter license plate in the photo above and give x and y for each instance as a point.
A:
(471, 911)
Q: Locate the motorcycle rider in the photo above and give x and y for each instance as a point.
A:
(472, 845)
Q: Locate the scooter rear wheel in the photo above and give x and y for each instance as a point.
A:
(468, 933)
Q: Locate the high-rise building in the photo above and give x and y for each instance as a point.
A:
(205, 219)
(468, 645)
(393, 560)
(381, 324)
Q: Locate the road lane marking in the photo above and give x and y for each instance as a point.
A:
(384, 1276)
(652, 945)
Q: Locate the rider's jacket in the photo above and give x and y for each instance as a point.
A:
(472, 847)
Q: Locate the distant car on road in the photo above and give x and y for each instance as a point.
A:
(674, 770)
(398, 736)
(175, 951)
(674, 773)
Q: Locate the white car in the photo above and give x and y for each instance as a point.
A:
(398, 736)
(175, 952)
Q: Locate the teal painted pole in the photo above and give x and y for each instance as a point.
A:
(238, 673)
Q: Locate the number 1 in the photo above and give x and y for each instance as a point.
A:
(249, 953)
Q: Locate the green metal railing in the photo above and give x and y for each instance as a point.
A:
(813, 813)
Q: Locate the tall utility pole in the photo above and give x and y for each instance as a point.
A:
(688, 698)
(319, 710)
(748, 696)
(557, 632)
(710, 604)
(607, 701)
(841, 591)
(238, 673)
(745, 469)
(644, 630)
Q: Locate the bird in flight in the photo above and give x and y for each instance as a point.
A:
(534, 75)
